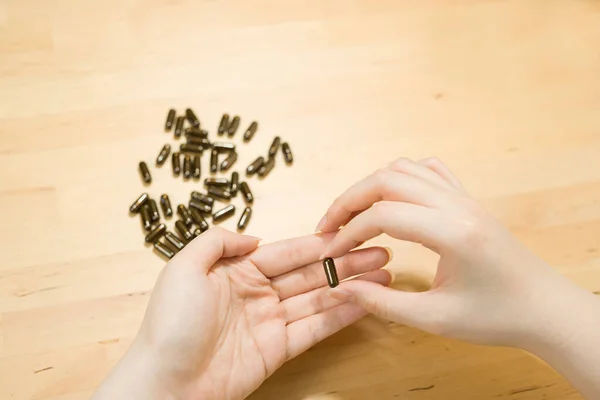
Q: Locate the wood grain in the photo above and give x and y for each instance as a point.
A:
(506, 92)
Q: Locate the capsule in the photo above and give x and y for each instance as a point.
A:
(224, 213)
(183, 230)
(164, 250)
(170, 120)
(185, 215)
(179, 126)
(249, 134)
(214, 161)
(199, 206)
(176, 163)
(235, 181)
(229, 161)
(223, 124)
(203, 198)
(174, 241)
(199, 220)
(233, 126)
(165, 204)
(195, 132)
(196, 167)
(163, 155)
(145, 172)
(222, 194)
(195, 142)
(255, 166)
(154, 216)
(287, 153)
(187, 166)
(245, 218)
(191, 148)
(267, 167)
(139, 203)
(156, 233)
(191, 117)
(274, 147)
(223, 146)
(330, 272)
(146, 217)
(220, 182)
(245, 189)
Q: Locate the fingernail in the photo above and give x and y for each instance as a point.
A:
(321, 223)
(390, 253)
(340, 294)
(392, 274)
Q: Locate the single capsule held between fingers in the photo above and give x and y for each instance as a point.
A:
(196, 167)
(331, 272)
(139, 203)
(146, 217)
(255, 166)
(235, 181)
(223, 124)
(164, 250)
(222, 194)
(163, 155)
(154, 216)
(185, 215)
(191, 117)
(174, 240)
(170, 120)
(165, 204)
(224, 213)
(156, 233)
(199, 219)
(145, 172)
(179, 126)
(274, 147)
(176, 163)
(249, 134)
(266, 167)
(183, 230)
(203, 198)
(287, 153)
(245, 218)
(245, 189)
(220, 182)
(199, 206)
(214, 161)
(233, 126)
(229, 161)
(187, 166)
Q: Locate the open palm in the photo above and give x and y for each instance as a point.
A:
(225, 314)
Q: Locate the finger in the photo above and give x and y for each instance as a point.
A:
(384, 184)
(400, 220)
(307, 332)
(317, 301)
(310, 277)
(437, 166)
(214, 244)
(419, 171)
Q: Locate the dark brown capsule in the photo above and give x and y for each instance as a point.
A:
(267, 167)
(185, 215)
(287, 153)
(199, 206)
(214, 161)
(191, 148)
(191, 117)
(220, 182)
(255, 166)
(330, 272)
(163, 155)
(245, 189)
(146, 217)
(245, 218)
(195, 132)
(164, 250)
(170, 120)
(145, 172)
(274, 147)
(156, 233)
(223, 124)
(235, 181)
(174, 241)
(187, 166)
(233, 126)
(222, 194)
(154, 216)
(203, 198)
(139, 203)
(165, 204)
(176, 163)
(249, 134)
(196, 167)
(179, 126)
(229, 161)
(199, 219)
(223, 146)
(224, 213)
(183, 230)
(198, 232)
(202, 142)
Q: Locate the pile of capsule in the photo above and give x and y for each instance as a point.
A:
(192, 219)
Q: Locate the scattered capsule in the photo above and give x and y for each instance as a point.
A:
(223, 124)
(183, 230)
(267, 167)
(165, 204)
(330, 272)
(170, 120)
(245, 189)
(174, 240)
(249, 134)
(203, 198)
(164, 250)
(176, 163)
(224, 213)
(195, 132)
(179, 126)
(233, 126)
(220, 182)
(187, 166)
(139, 203)
(223, 146)
(245, 218)
(196, 141)
(222, 194)
(199, 206)
(199, 219)
(255, 166)
(191, 148)
(146, 217)
(163, 155)
(198, 232)
(229, 161)
(196, 167)
(233, 186)
(154, 216)
(191, 117)
(287, 153)
(145, 172)
(156, 233)
(214, 161)
(274, 147)
(185, 215)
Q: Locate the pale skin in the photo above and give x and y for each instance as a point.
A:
(225, 314)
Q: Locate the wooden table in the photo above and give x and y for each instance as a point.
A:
(506, 92)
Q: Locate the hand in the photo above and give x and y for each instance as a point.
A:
(224, 314)
(488, 289)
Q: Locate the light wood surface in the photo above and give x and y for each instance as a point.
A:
(506, 92)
